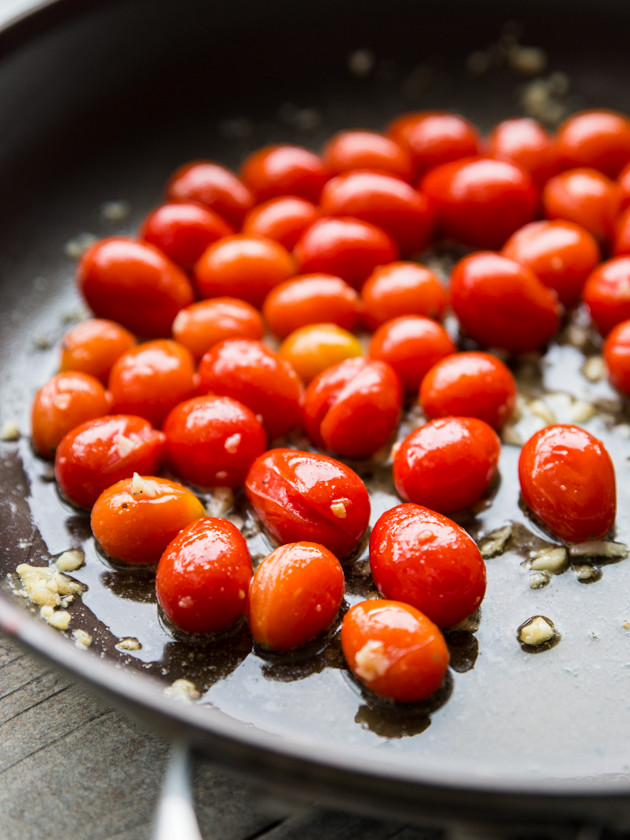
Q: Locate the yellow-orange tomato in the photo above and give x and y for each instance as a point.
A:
(314, 348)
(135, 519)
(93, 346)
(203, 324)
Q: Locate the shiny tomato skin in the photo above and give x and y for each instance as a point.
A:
(394, 650)
(305, 496)
(100, 452)
(203, 324)
(316, 347)
(295, 595)
(212, 441)
(283, 219)
(435, 137)
(525, 143)
(92, 347)
(568, 480)
(586, 197)
(183, 230)
(598, 139)
(135, 519)
(352, 408)
(203, 576)
(480, 201)
(311, 299)
(214, 186)
(623, 180)
(621, 239)
(358, 149)
(402, 288)
(134, 284)
(501, 303)
(470, 384)
(257, 377)
(607, 293)
(617, 357)
(424, 559)
(284, 170)
(447, 464)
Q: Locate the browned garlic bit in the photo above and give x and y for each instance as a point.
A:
(536, 631)
(599, 548)
(142, 487)
(552, 559)
(9, 431)
(129, 643)
(495, 542)
(184, 691)
(81, 639)
(70, 560)
(220, 501)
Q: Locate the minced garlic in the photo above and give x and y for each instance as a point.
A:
(371, 661)
(47, 587)
(536, 631)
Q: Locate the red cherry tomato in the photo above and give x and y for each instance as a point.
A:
(316, 347)
(624, 185)
(252, 374)
(100, 452)
(621, 240)
(525, 143)
(586, 197)
(62, 404)
(617, 357)
(435, 137)
(596, 139)
(402, 288)
(203, 576)
(214, 186)
(470, 385)
(212, 441)
(183, 231)
(501, 303)
(311, 299)
(568, 481)
(151, 378)
(480, 201)
(607, 293)
(285, 170)
(283, 219)
(447, 464)
(560, 253)
(93, 346)
(134, 284)
(382, 200)
(295, 595)
(411, 344)
(304, 496)
(135, 519)
(394, 650)
(353, 408)
(201, 325)
(424, 559)
(348, 248)
(350, 150)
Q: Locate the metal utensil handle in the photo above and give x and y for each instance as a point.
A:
(175, 814)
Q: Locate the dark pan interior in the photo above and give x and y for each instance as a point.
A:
(99, 103)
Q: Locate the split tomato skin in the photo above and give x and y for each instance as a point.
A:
(305, 496)
(424, 559)
(214, 186)
(295, 595)
(402, 288)
(183, 231)
(203, 576)
(311, 299)
(284, 169)
(617, 357)
(92, 347)
(567, 480)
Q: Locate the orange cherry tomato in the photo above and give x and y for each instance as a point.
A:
(93, 346)
(203, 324)
(150, 379)
(411, 344)
(313, 348)
(135, 519)
(304, 496)
(284, 170)
(394, 650)
(214, 186)
(100, 452)
(402, 288)
(283, 219)
(357, 149)
(135, 284)
(311, 299)
(586, 197)
(470, 385)
(62, 404)
(447, 464)
(607, 293)
(480, 201)
(560, 253)
(295, 595)
(568, 481)
(617, 357)
(244, 267)
(501, 303)
(595, 139)
(525, 143)
(183, 231)
(203, 576)
(435, 137)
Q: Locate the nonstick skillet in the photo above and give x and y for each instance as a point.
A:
(100, 101)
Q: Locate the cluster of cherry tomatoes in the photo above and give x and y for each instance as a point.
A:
(171, 376)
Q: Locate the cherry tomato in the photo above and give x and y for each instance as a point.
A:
(480, 201)
(402, 288)
(382, 200)
(394, 650)
(470, 385)
(313, 348)
(586, 197)
(617, 356)
(411, 344)
(93, 346)
(311, 299)
(203, 576)
(435, 137)
(501, 303)
(304, 496)
(607, 293)
(560, 253)
(568, 481)
(257, 377)
(525, 143)
(183, 231)
(348, 248)
(596, 139)
(283, 219)
(285, 170)
(447, 464)
(214, 186)
(100, 452)
(350, 150)
(134, 284)
(62, 404)
(624, 184)
(203, 324)
(295, 595)
(244, 267)
(353, 408)
(151, 378)
(621, 241)
(212, 441)
(135, 519)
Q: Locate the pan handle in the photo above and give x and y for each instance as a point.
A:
(175, 814)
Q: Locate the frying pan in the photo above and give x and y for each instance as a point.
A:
(100, 101)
